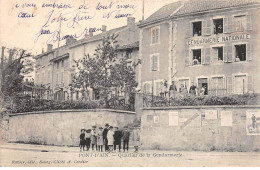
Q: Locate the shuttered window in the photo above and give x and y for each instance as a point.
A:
(154, 62)
(217, 86)
(155, 35)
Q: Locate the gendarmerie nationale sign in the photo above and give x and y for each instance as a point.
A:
(217, 39)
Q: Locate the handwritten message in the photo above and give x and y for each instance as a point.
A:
(61, 18)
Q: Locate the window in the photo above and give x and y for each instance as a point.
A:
(49, 76)
(154, 62)
(218, 53)
(147, 87)
(183, 84)
(196, 57)
(217, 86)
(62, 77)
(218, 26)
(58, 65)
(240, 23)
(240, 84)
(196, 28)
(155, 35)
(57, 78)
(62, 63)
(129, 54)
(149, 118)
(240, 52)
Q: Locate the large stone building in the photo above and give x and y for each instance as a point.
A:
(212, 43)
(54, 68)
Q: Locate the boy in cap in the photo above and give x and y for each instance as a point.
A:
(105, 136)
(88, 140)
(117, 137)
(126, 135)
(82, 140)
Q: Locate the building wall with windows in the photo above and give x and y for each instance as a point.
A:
(213, 44)
(154, 51)
(219, 50)
(59, 63)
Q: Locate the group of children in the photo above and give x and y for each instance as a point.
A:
(110, 137)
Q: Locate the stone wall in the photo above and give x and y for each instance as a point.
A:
(209, 128)
(62, 127)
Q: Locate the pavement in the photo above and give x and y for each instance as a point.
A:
(27, 155)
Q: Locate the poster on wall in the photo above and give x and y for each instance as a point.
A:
(173, 119)
(253, 122)
(211, 114)
(226, 118)
(156, 119)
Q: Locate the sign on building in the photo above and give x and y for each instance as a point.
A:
(173, 119)
(226, 118)
(253, 122)
(211, 114)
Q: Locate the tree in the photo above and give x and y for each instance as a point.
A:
(104, 71)
(12, 71)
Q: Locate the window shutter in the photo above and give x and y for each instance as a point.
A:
(207, 56)
(229, 54)
(225, 54)
(250, 86)
(203, 56)
(157, 35)
(187, 58)
(229, 84)
(249, 52)
(155, 63)
(189, 29)
(204, 27)
(230, 24)
(249, 22)
(208, 29)
(214, 56)
(225, 25)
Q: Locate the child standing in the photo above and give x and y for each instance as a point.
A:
(100, 141)
(110, 138)
(88, 140)
(94, 137)
(82, 140)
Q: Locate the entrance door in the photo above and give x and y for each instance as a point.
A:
(203, 82)
(240, 84)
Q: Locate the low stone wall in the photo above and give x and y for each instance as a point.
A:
(209, 128)
(62, 127)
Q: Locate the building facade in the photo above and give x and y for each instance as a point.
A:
(54, 68)
(212, 44)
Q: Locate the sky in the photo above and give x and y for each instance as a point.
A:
(32, 24)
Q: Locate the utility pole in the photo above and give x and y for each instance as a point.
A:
(143, 12)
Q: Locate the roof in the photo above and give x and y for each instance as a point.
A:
(129, 46)
(98, 36)
(187, 7)
(194, 6)
(163, 12)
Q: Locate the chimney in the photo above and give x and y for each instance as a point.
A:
(70, 40)
(104, 28)
(131, 23)
(90, 32)
(49, 47)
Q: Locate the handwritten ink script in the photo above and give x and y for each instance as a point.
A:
(63, 20)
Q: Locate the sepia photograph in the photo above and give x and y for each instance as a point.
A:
(129, 83)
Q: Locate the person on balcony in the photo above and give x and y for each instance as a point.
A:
(172, 90)
(193, 89)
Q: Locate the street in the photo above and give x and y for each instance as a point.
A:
(13, 154)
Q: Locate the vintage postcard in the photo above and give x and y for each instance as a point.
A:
(129, 83)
